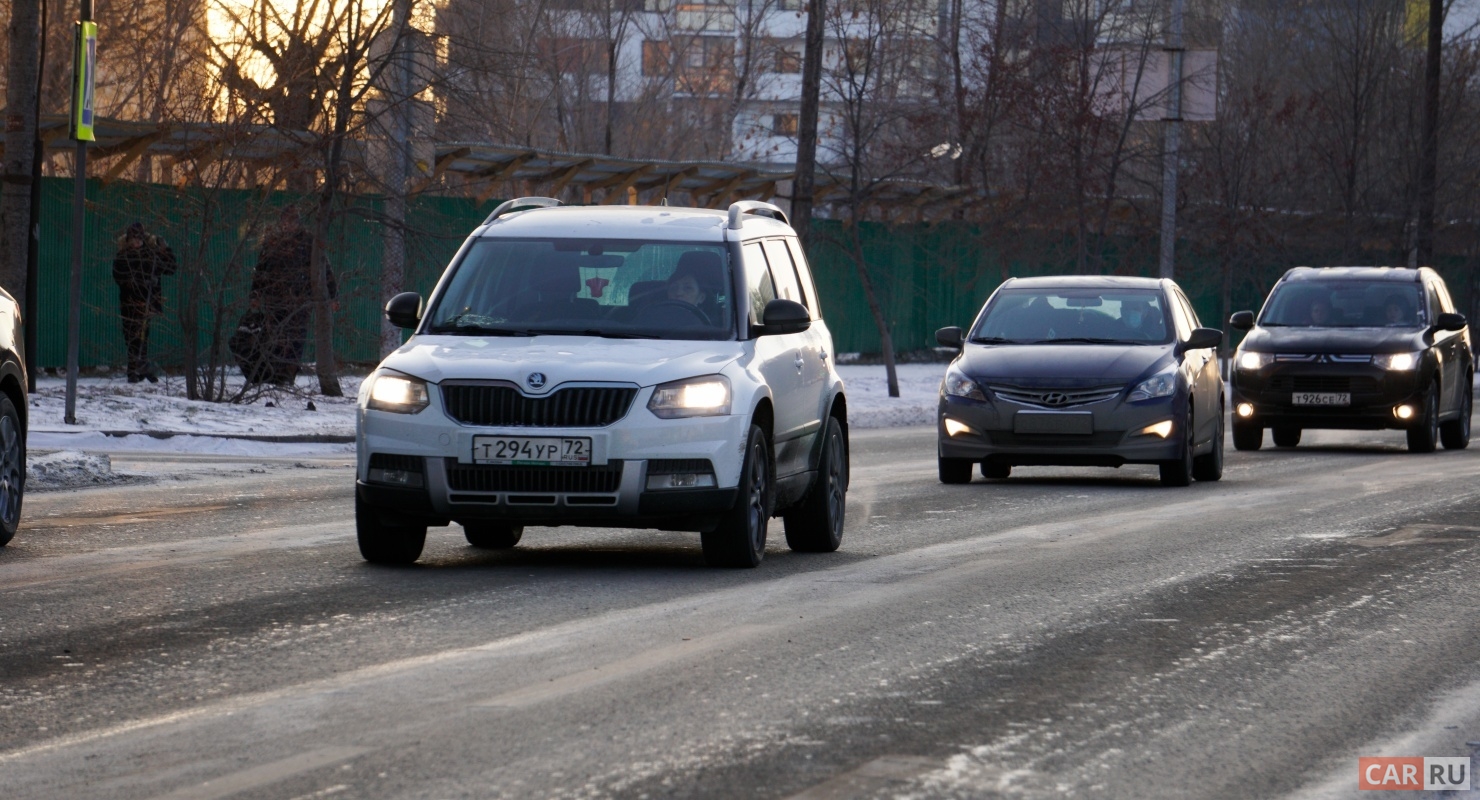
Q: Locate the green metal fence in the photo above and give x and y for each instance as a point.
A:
(927, 276)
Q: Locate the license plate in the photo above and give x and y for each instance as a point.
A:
(532, 451)
(1322, 399)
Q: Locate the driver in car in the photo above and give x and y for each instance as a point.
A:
(684, 287)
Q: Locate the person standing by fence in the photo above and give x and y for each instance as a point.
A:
(271, 336)
(142, 260)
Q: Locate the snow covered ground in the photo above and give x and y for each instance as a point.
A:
(117, 417)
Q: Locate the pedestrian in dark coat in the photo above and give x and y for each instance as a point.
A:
(142, 259)
(271, 336)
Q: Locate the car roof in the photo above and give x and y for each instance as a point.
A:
(663, 223)
(1083, 282)
(1394, 274)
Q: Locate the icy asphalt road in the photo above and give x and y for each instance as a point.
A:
(1067, 632)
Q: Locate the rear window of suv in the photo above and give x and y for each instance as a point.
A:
(615, 288)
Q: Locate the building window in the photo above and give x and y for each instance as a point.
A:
(788, 58)
(783, 124)
(657, 58)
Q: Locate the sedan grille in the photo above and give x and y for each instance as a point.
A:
(604, 478)
(1056, 398)
(501, 405)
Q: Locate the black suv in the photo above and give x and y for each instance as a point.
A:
(1357, 348)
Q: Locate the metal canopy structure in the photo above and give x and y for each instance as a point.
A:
(484, 170)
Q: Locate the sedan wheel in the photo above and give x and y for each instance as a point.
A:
(954, 470)
(1178, 472)
(1209, 467)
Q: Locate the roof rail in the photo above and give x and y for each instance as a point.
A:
(742, 207)
(521, 204)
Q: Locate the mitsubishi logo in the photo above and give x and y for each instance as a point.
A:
(1055, 398)
(536, 380)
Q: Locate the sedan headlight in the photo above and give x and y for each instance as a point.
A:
(708, 396)
(1251, 360)
(957, 384)
(401, 394)
(1162, 384)
(1398, 362)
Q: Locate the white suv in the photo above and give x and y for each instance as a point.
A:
(628, 366)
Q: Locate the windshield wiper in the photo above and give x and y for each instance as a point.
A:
(587, 332)
(1081, 340)
(474, 329)
(991, 340)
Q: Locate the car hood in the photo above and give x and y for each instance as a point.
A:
(561, 359)
(1335, 340)
(1062, 365)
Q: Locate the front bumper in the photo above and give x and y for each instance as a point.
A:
(1375, 395)
(613, 491)
(1115, 437)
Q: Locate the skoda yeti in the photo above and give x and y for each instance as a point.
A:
(641, 367)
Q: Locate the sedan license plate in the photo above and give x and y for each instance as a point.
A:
(532, 451)
(1322, 399)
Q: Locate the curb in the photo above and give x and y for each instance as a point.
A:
(299, 438)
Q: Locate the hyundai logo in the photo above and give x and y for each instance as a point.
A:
(536, 380)
(1055, 398)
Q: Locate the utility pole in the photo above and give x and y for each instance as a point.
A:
(398, 167)
(1174, 50)
(1428, 170)
(804, 186)
(17, 219)
(85, 63)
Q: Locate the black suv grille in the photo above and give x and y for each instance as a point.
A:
(1323, 383)
(603, 478)
(500, 405)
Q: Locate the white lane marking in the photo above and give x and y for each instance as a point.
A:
(869, 778)
(616, 670)
(265, 774)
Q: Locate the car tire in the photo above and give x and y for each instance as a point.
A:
(12, 469)
(492, 535)
(1178, 471)
(1424, 437)
(994, 471)
(1285, 437)
(816, 524)
(740, 538)
(1209, 466)
(1247, 436)
(1455, 434)
(954, 470)
(383, 542)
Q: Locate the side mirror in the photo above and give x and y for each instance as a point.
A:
(1241, 320)
(1202, 339)
(949, 337)
(404, 310)
(1450, 321)
(784, 316)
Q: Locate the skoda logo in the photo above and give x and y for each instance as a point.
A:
(536, 380)
(1056, 398)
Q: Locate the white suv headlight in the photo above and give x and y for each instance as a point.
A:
(401, 394)
(1161, 384)
(707, 396)
(1398, 362)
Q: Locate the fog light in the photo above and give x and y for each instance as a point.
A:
(954, 428)
(396, 477)
(1162, 429)
(1245, 410)
(681, 480)
(1404, 412)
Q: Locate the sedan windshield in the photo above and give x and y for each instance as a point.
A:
(1345, 304)
(1073, 316)
(609, 288)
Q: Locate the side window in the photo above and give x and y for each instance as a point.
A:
(1180, 316)
(1445, 301)
(783, 272)
(804, 278)
(1187, 309)
(757, 281)
(1436, 304)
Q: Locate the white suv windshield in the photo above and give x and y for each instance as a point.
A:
(614, 288)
